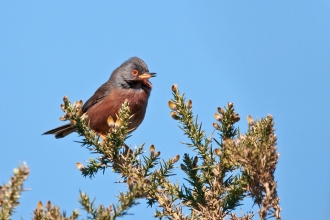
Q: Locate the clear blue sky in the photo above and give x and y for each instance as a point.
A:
(265, 56)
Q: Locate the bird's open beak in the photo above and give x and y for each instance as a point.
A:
(147, 75)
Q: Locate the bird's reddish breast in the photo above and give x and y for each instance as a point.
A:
(109, 106)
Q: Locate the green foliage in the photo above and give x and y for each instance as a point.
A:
(217, 178)
(127, 200)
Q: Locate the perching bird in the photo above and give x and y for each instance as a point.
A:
(129, 81)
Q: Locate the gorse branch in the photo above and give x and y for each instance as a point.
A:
(217, 178)
(50, 212)
(143, 179)
(126, 200)
(244, 167)
(10, 193)
(110, 147)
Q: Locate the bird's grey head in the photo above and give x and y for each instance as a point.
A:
(133, 73)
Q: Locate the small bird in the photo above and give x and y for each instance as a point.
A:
(130, 81)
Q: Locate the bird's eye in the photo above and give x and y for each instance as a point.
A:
(135, 72)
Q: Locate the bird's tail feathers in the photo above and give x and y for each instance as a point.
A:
(61, 131)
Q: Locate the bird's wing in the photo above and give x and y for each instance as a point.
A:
(97, 97)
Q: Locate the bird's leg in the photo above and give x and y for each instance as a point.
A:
(127, 149)
(103, 137)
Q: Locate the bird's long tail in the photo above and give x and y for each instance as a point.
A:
(61, 131)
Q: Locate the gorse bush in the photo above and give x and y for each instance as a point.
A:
(220, 170)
